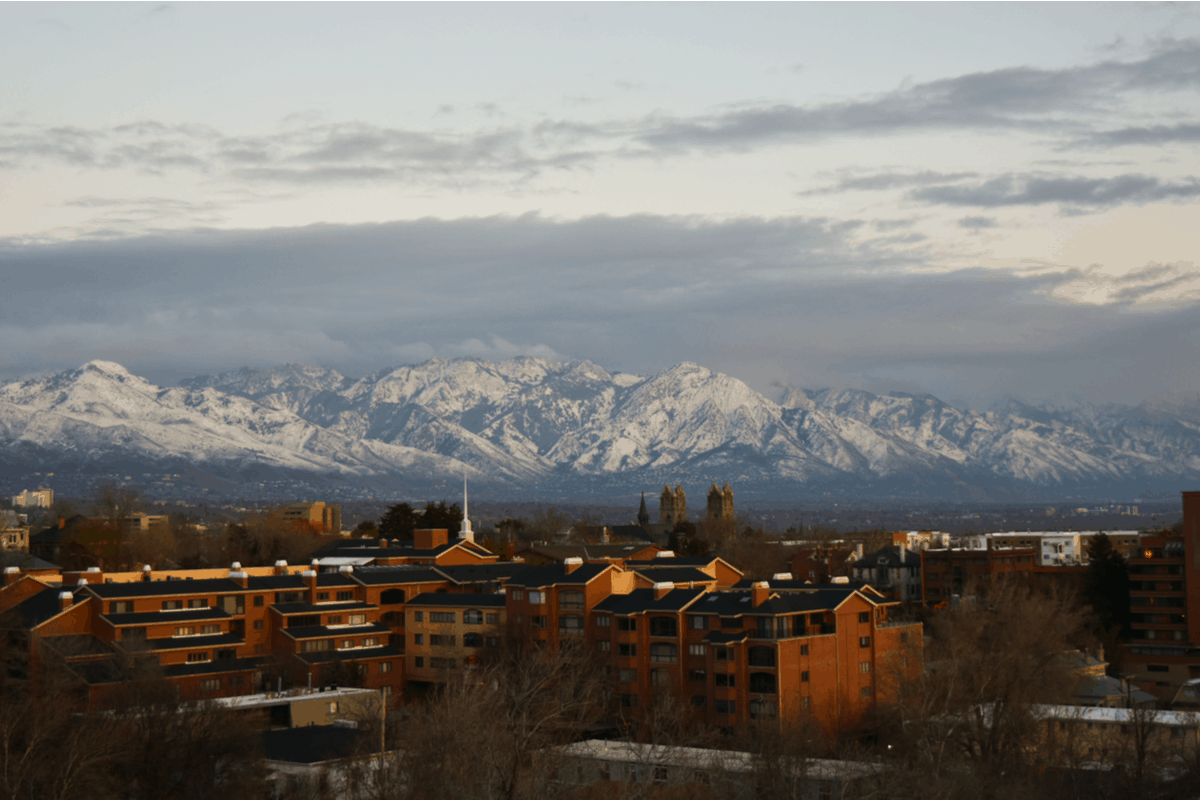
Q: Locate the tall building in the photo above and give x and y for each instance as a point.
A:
(720, 504)
(42, 498)
(323, 517)
(672, 506)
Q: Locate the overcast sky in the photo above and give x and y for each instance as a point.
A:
(968, 199)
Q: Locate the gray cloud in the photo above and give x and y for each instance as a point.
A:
(796, 299)
(880, 181)
(978, 223)
(1152, 135)
(1041, 189)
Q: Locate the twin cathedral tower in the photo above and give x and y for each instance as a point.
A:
(672, 506)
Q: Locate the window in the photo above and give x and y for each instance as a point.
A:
(697, 622)
(664, 653)
(472, 640)
(169, 605)
(723, 653)
(538, 622)
(442, 663)
(696, 649)
(358, 619)
(699, 700)
(186, 630)
(443, 617)
(335, 620)
(517, 594)
(604, 646)
(370, 641)
(226, 654)
(663, 626)
(208, 630)
(697, 676)
(258, 601)
(660, 775)
(322, 596)
(345, 596)
(627, 675)
(258, 624)
(571, 600)
(762, 657)
(493, 618)
(866, 691)
(725, 706)
(627, 650)
(730, 622)
(537, 598)
(391, 597)
(603, 621)
(864, 667)
(626, 624)
(210, 684)
(629, 701)
(570, 624)
(418, 639)
(287, 597)
(493, 641)
(198, 603)
(418, 616)
(472, 616)
(121, 607)
(441, 640)
(762, 683)
(763, 709)
(196, 658)
(316, 645)
(1157, 668)
(864, 616)
(725, 680)
(804, 702)
(420, 662)
(864, 641)
(803, 649)
(804, 676)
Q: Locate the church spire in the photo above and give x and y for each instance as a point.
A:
(643, 516)
(464, 532)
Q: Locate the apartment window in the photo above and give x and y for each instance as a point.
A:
(664, 653)
(697, 622)
(723, 653)
(472, 640)
(604, 646)
(762, 657)
(472, 616)
(626, 624)
(725, 680)
(121, 607)
(803, 649)
(537, 598)
(731, 622)
(385, 666)
(418, 639)
(663, 626)
(420, 662)
(442, 663)
(322, 596)
(335, 620)
(571, 600)
(627, 650)
(627, 675)
(199, 603)
(517, 594)
(864, 667)
(258, 601)
(804, 702)
(903, 637)
(725, 706)
(258, 624)
(210, 629)
(287, 597)
(196, 658)
(762, 683)
(418, 616)
(304, 621)
(629, 701)
(441, 640)
(210, 684)
(316, 645)
(763, 709)
(864, 641)
(492, 618)
(697, 676)
(358, 619)
(696, 649)
(570, 624)
(1157, 668)
(804, 676)
(370, 641)
(169, 605)
(864, 616)
(538, 622)
(603, 621)
(443, 617)
(493, 641)
(659, 775)
(345, 596)
(186, 630)
(699, 700)
(866, 691)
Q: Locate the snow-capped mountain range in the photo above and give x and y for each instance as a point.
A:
(539, 427)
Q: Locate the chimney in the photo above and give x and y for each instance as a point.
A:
(241, 577)
(281, 567)
(782, 576)
(989, 542)
(383, 542)
(661, 589)
(759, 592)
(345, 569)
(147, 573)
(310, 580)
(903, 552)
(62, 523)
(65, 600)
(572, 564)
(858, 552)
(11, 575)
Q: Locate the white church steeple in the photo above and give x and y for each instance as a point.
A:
(465, 533)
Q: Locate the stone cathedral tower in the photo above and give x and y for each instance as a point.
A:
(720, 503)
(672, 506)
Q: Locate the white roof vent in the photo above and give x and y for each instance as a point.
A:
(281, 563)
(573, 560)
(308, 573)
(664, 585)
(82, 582)
(345, 569)
(840, 579)
(93, 569)
(665, 554)
(65, 596)
(11, 570)
(236, 565)
(782, 576)
(238, 575)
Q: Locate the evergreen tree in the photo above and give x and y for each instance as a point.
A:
(1106, 587)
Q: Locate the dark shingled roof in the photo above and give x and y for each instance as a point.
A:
(484, 573)
(721, 637)
(311, 744)
(193, 642)
(277, 583)
(673, 561)
(642, 600)
(109, 591)
(556, 574)
(357, 654)
(889, 557)
(36, 609)
(458, 600)
(673, 574)
(222, 665)
(174, 615)
(320, 608)
(26, 561)
(325, 631)
(732, 604)
(379, 576)
(77, 645)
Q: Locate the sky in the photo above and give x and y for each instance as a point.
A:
(971, 199)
